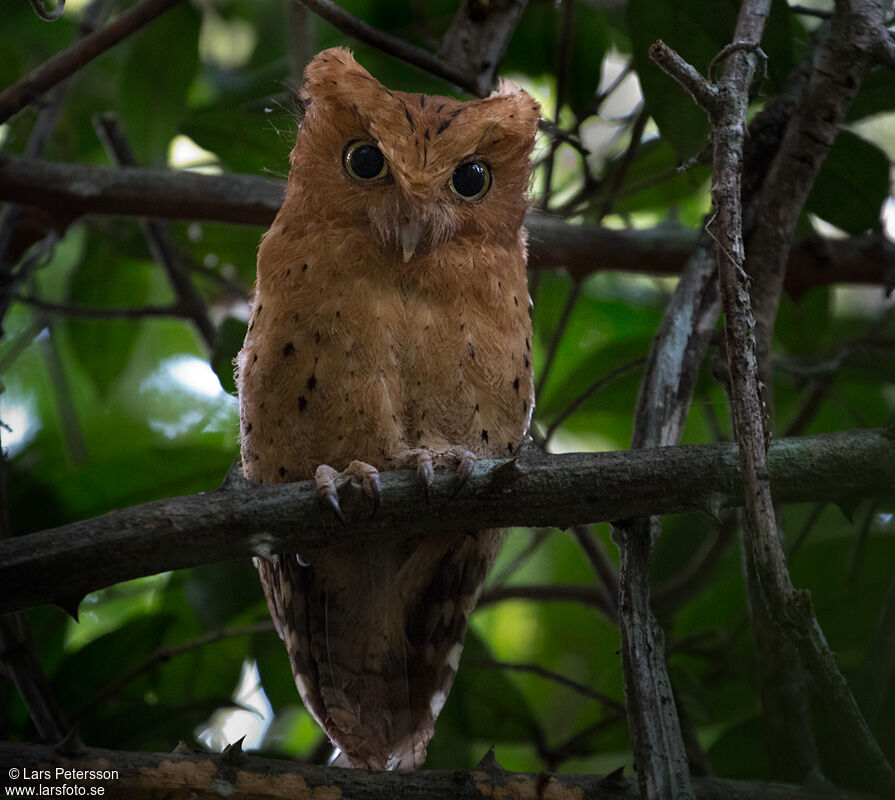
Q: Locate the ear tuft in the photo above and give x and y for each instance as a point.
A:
(518, 112)
(334, 72)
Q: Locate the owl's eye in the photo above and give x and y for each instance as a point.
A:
(364, 161)
(471, 180)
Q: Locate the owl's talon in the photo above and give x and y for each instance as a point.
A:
(375, 492)
(368, 478)
(464, 470)
(425, 470)
(325, 478)
(332, 500)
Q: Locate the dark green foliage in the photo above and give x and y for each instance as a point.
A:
(145, 410)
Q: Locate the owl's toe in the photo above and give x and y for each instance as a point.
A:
(368, 477)
(464, 468)
(425, 470)
(325, 478)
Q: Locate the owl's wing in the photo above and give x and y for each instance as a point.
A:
(286, 585)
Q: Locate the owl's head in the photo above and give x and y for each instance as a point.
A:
(410, 172)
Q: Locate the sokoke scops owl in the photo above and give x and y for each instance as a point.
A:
(390, 328)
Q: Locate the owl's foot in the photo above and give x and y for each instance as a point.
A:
(362, 474)
(425, 461)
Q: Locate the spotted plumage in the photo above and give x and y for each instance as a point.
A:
(390, 328)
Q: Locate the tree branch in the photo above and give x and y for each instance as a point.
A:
(790, 610)
(593, 596)
(238, 776)
(409, 53)
(102, 312)
(550, 675)
(159, 238)
(68, 61)
(61, 565)
(69, 191)
(478, 37)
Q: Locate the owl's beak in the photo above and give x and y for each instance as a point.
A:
(411, 233)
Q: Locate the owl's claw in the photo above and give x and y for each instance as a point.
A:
(325, 478)
(425, 461)
(464, 470)
(375, 491)
(425, 470)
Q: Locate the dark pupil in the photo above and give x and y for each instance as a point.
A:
(366, 161)
(469, 179)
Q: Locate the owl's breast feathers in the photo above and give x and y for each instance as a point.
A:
(353, 353)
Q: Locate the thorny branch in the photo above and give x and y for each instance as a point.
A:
(239, 776)
(61, 565)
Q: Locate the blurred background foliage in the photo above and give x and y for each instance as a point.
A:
(102, 414)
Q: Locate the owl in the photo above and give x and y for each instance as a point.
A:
(390, 328)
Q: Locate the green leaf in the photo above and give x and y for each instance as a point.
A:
(698, 30)
(876, 96)
(104, 346)
(228, 341)
(96, 665)
(590, 40)
(653, 180)
(852, 185)
(252, 142)
(162, 64)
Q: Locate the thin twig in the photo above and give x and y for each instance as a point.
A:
(164, 654)
(813, 517)
(45, 14)
(591, 596)
(574, 746)
(75, 445)
(563, 65)
(555, 340)
(23, 341)
(68, 61)
(603, 96)
(600, 561)
(543, 672)
(685, 583)
(538, 537)
(411, 54)
(820, 13)
(857, 556)
(591, 390)
(162, 245)
(92, 312)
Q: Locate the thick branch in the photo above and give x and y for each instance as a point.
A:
(233, 774)
(14, 98)
(62, 564)
(478, 37)
(71, 190)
